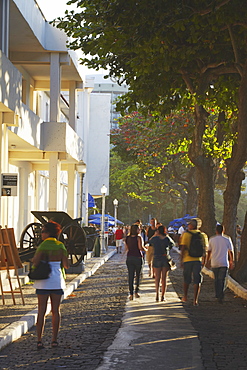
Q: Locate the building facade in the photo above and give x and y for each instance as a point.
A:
(44, 118)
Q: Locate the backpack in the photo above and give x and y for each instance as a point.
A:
(196, 248)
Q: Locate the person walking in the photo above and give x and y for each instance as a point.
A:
(53, 287)
(161, 244)
(192, 264)
(119, 235)
(181, 230)
(150, 233)
(134, 261)
(220, 252)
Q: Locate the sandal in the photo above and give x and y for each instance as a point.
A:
(54, 344)
(40, 345)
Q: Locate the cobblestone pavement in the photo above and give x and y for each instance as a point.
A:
(91, 317)
(221, 327)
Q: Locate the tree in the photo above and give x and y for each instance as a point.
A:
(155, 48)
(160, 149)
(168, 51)
(140, 195)
(160, 145)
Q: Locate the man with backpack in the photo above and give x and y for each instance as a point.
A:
(193, 250)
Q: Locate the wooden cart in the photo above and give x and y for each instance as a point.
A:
(72, 235)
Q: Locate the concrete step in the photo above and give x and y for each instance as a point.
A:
(22, 272)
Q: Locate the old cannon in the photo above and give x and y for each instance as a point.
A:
(76, 239)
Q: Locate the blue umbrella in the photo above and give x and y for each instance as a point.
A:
(97, 221)
(99, 215)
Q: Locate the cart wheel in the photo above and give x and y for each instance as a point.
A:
(74, 239)
(31, 236)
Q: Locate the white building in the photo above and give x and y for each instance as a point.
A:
(109, 86)
(44, 118)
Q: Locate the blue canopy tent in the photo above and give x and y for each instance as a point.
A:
(97, 221)
(99, 215)
(177, 222)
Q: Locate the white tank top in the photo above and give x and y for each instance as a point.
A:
(55, 280)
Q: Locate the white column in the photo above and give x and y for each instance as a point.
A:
(72, 104)
(4, 168)
(4, 27)
(25, 169)
(54, 181)
(55, 87)
(85, 106)
(71, 190)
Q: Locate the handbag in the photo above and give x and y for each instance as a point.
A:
(172, 264)
(40, 272)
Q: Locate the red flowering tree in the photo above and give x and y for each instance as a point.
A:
(160, 147)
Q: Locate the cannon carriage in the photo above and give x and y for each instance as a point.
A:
(76, 239)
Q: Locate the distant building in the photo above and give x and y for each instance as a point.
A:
(102, 86)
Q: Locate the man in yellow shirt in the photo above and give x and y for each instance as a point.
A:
(192, 265)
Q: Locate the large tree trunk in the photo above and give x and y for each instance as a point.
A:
(236, 163)
(240, 271)
(206, 209)
(192, 196)
(205, 173)
(235, 176)
(231, 199)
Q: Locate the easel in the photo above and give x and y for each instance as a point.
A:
(9, 260)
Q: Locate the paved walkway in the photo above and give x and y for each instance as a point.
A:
(149, 334)
(15, 320)
(154, 335)
(102, 330)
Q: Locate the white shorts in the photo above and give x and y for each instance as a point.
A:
(119, 243)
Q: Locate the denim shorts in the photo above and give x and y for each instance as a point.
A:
(50, 291)
(160, 263)
(192, 268)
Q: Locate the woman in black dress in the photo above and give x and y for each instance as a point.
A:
(134, 261)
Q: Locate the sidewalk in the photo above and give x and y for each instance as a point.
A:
(154, 335)
(24, 319)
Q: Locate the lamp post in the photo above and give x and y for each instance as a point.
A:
(115, 203)
(103, 191)
(81, 169)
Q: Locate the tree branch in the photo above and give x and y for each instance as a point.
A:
(235, 50)
(187, 81)
(211, 8)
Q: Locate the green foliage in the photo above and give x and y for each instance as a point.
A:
(156, 46)
(140, 195)
(172, 54)
(154, 142)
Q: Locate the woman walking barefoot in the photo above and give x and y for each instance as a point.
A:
(134, 261)
(52, 287)
(161, 243)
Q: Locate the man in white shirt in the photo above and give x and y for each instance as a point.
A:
(220, 251)
(181, 230)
